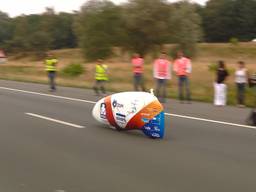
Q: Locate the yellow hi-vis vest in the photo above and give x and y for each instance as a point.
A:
(101, 72)
(51, 64)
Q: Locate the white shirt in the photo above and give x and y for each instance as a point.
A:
(241, 76)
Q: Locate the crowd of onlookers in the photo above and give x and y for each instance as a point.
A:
(182, 68)
(163, 69)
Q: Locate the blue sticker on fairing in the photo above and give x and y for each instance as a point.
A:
(155, 127)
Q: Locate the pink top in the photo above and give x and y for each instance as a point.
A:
(2, 55)
(162, 69)
(182, 66)
(137, 65)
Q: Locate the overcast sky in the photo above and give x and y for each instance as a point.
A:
(18, 7)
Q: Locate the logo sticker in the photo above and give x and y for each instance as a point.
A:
(147, 128)
(103, 111)
(145, 120)
(156, 128)
(121, 118)
(115, 104)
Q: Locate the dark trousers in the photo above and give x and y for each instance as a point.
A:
(184, 83)
(99, 85)
(52, 76)
(161, 89)
(240, 93)
(138, 82)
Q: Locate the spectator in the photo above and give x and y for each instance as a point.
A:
(241, 77)
(183, 67)
(220, 87)
(161, 74)
(138, 63)
(50, 67)
(252, 84)
(252, 80)
(3, 57)
(101, 77)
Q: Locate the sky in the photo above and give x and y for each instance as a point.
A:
(18, 7)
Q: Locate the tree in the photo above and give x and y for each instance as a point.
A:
(6, 29)
(29, 36)
(19, 41)
(146, 23)
(39, 43)
(65, 36)
(226, 19)
(99, 27)
(59, 27)
(185, 27)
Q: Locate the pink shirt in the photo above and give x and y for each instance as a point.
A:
(182, 66)
(137, 65)
(162, 69)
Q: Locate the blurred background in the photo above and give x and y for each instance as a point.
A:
(207, 31)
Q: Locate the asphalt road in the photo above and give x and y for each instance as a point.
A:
(39, 155)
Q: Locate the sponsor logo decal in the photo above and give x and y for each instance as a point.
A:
(145, 115)
(147, 128)
(121, 118)
(155, 135)
(115, 104)
(145, 120)
(155, 121)
(133, 109)
(156, 128)
(103, 111)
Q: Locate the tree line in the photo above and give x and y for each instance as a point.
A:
(138, 26)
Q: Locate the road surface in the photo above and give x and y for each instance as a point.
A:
(51, 143)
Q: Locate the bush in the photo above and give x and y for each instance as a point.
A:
(73, 70)
(234, 41)
(213, 67)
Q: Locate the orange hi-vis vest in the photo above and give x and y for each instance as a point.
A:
(162, 69)
(182, 66)
(137, 65)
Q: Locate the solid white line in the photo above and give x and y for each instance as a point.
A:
(167, 114)
(210, 121)
(55, 120)
(48, 95)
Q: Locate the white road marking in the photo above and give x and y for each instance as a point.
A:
(167, 114)
(55, 120)
(209, 120)
(48, 95)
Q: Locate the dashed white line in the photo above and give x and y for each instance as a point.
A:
(167, 114)
(55, 120)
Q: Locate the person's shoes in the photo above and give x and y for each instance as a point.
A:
(241, 106)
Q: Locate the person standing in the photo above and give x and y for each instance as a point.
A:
(252, 84)
(51, 69)
(220, 88)
(161, 74)
(101, 77)
(137, 63)
(183, 67)
(241, 77)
